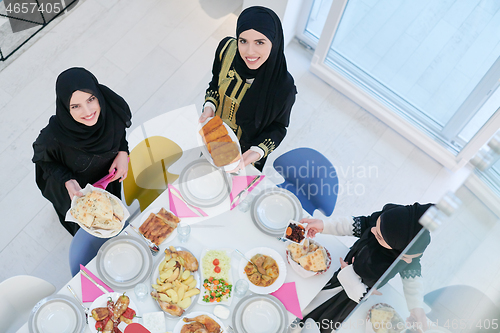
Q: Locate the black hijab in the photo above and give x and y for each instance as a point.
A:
(399, 225)
(115, 115)
(265, 98)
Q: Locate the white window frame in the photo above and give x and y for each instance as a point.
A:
(381, 111)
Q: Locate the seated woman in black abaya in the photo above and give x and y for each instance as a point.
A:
(83, 142)
(251, 89)
(382, 238)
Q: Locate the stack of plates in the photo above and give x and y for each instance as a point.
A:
(123, 262)
(203, 185)
(57, 314)
(260, 314)
(273, 209)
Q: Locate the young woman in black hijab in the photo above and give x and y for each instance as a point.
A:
(251, 89)
(83, 142)
(382, 238)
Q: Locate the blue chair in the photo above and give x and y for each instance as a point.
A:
(83, 248)
(311, 177)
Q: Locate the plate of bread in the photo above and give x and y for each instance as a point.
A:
(158, 225)
(383, 318)
(219, 144)
(98, 212)
(308, 258)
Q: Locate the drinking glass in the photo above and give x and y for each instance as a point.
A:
(240, 288)
(183, 231)
(246, 202)
(141, 290)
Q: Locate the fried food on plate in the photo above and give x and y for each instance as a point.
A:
(224, 153)
(211, 325)
(157, 227)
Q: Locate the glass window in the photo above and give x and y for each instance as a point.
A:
(435, 62)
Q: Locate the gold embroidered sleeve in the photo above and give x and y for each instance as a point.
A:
(267, 146)
(212, 96)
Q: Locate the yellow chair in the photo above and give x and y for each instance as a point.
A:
(147, 170)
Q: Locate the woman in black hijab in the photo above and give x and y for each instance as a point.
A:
(83, 142)
(382, 238)
(251, 89)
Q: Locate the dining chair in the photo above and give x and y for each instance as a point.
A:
(19, 294)
(311, 177)
(462, 304)
(147, 170)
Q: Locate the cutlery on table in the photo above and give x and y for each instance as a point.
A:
(261, 269)
(86, 309)
(194, 209)
(93, 281)
(152, 246)
(238, 196)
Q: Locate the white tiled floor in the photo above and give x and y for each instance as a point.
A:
(158, 54)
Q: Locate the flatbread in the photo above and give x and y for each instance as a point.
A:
(100, 205)
(314, 261)
(112, 224)
(381, 319)
(298, 250)
(117, 208)
(81, 213)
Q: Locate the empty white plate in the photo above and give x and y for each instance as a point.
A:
(260, 317)
(273, 209)
(123, 262)
(203, 185)
(57, 314)
(260, 314)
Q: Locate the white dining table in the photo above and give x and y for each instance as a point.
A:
(238, 231)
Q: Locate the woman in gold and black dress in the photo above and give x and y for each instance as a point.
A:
(251, 89)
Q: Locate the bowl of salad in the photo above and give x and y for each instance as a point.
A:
(216, 277)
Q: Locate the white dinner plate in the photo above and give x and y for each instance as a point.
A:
(57, 314)
(155, 274)
(260, 314)
(155, 210)
(204, 148)
(281, 265)
(181, 322)
(123, 262)
(273, 209)
(102, 301)
(203, 185)
(202, 278)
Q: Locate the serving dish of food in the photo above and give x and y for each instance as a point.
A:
(260, 314)
(198, 322)
(216, 277)
(309, 258)
(295, 232)
(124, 261)
(57, 314)
(98, 212)
(220, 146)
(175, 281)
(273, 209)
(159, 225)
(265, 273)
(203, 185)
(382, 318)
(111, 309)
